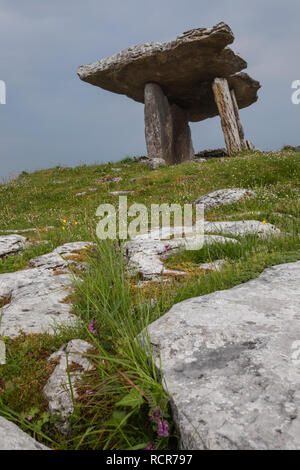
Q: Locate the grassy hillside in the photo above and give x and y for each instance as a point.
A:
(114, 303)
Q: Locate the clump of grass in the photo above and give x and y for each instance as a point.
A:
(126, 386)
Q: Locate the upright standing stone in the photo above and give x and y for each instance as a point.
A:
(167, 130)
(238, 120)
(158, 123)
(228, 120)
(183, 149)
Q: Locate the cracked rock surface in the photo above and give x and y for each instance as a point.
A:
(12, 244)
(146, 252)
(57, 390)
(230, 361)
(33, 298)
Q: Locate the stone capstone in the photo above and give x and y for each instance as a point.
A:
(184, 69)
(230, 362)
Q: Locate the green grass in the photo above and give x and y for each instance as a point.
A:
(34, 200)
(125, 384)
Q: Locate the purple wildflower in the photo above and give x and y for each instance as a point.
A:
(29, 418)
(163, 428)
(89, 392)
(2, 384)
(155, 415)
(149, 446)
(92, 327)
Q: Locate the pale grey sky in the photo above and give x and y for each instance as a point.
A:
(52, 118)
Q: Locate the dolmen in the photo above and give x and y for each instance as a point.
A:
(193, 78)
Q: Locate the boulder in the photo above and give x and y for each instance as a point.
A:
(230, 362)
(222, 197)
(13, 438)
(12, 244)
(242, 228)
(184, 69)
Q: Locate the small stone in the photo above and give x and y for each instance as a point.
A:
(155, 163)
(117, 179)
(216, 265)
(120, 193)
(57, 390)
(132, 180)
